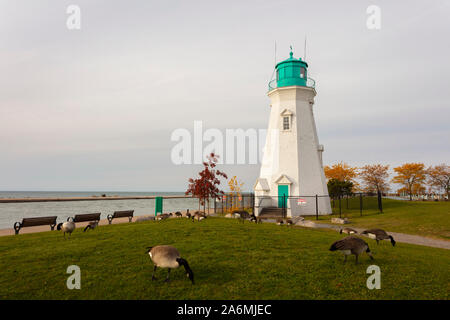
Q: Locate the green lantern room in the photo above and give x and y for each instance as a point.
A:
(291, 72)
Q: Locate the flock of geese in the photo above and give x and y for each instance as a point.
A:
(165, 256)
(196, 216)
(354, 245)
(69, 227)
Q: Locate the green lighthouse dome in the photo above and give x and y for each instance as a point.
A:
(291, 72)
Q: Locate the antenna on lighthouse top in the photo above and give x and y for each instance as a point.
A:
(275, 53)
(304, 51)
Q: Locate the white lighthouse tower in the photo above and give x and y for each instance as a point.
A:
(292, 175)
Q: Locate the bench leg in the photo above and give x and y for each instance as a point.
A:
(52, 226)
(129, 219)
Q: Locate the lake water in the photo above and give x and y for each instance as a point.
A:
(12, 212)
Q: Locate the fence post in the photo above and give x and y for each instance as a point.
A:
(340, 207)
(317, 207)
(360, 204)
(226, 203)
(215, 205)
(253, 203)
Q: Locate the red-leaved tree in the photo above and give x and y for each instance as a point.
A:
(206, 186)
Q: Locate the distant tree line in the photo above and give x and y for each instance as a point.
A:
(414, 178)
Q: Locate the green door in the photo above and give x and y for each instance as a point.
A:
(158, 205)
(283, 190)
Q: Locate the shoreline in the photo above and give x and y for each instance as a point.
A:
(97, 198)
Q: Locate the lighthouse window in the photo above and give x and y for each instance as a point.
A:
(302, 72)
(286, 123)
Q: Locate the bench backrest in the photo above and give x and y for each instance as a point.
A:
(121, 214)
(39, 221)
(87, 217)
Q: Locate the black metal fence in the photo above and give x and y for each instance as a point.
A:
(284, 206)
(321, 205)
(310, 205)
(230, 202)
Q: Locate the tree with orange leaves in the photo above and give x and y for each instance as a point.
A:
(418, 188)
(411, 176)
(439, 176)
(235, 192)
(342, 172)
(375, 177)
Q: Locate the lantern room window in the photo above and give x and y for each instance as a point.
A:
(302, 73)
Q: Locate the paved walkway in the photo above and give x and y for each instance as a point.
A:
(399, 237)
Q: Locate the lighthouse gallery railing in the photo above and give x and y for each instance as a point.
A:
(310, 83)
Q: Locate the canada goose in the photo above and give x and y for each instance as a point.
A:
(378, 235)
(92, 225)
(242, 214)
(67, 226)
(280, 222)
(199, 216)
(163, 216)
(168, 257)
(348, 231)
(188, 215)
(178, 214)
(289, 222)
(351, 245)
(255, 219)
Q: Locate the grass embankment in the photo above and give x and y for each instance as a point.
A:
(424, 218)
(230, 261)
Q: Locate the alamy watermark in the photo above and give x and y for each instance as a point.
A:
(74, 280)
(234, 146)
(373, 21)
(73, 21)
(374, 280)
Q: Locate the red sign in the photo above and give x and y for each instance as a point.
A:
(301, 202)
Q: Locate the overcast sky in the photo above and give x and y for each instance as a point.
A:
(93, 109)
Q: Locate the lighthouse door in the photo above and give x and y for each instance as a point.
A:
(283, 194)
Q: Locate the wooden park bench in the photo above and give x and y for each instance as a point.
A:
(32, 222)
(85, 217)
(121, 214)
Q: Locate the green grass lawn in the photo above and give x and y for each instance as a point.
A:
(230, 261)
(424, 218)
